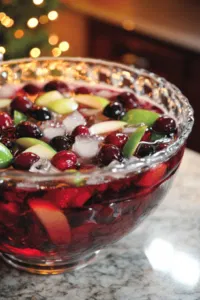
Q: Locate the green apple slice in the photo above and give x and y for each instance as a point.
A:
(19, 117)
(133, 141)
(48, 97)
(107, 126)
(41, 151)
(53, 220)
(140, 116)
(4, 104)
(63, 106)
(92, 101)
(27, 142)
(5, 156)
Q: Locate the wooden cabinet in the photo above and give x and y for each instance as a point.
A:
(178, 65)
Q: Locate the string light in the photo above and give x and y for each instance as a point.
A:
(52, 15)
(19, 34)
(32, 22)
(35, 52)
(7, 21)
(38, 2)
(64, 46)
(56, 52)
(2, 50)
(43, 19)
(53, 39)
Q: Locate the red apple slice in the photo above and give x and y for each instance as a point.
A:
(153, 176)
(53, 219)
(107, 126)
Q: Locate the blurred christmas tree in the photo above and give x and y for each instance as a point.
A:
(23, 29)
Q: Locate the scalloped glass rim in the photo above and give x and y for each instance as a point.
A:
(130, 165)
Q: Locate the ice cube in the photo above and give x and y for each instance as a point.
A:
(43, 166)
(73, 120)
(50, 133)
(86, 146)
(7, 91)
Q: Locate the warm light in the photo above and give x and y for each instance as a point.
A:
(56, 51)
(2, 50)
(53, 39)
(2, 15)
(64, 46)
(38, 2)
(7, 22)
(35, 52)
(43, 19)
(52, 15)
(128, 24)
(32, 23)
(19, 34)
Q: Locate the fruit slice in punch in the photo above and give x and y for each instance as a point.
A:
(29, 142)
(107, 126)
(133, 141)
(140, 116)
(19, 117)
(5, 156)
(41, 151)
(53, 220)
(92, 101)
(46, 98)
(63, 106)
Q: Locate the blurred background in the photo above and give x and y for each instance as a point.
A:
(160, 35)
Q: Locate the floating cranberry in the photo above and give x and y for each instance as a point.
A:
(28, 129)
(9, 132)
(5, 120)
(108, 153)
(165, 125)
(82, 90)
(21, 103)
(31, 89)
(80, 130)
(25, 160)
(40, 113)
(114, 110)
(56, 85)
(147, 135)
(128, 100)
(60, 143)
(64, 160)
(145, 150)
(116, 138)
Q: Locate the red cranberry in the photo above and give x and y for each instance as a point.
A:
(9, 132)
(145, 150)
(56, 85)
(116, 138)
(5, 120)
(82, 90)
(25, 160)
(147, 135)
(128, 100)
(7, 142)
(21, 103)
(31, 89)
(161, 146)
(60, 143)
(40, 113)
(64, 160)
(114, 110)
(165, 125)
(80, 130)
(28, 129)
(108, 153)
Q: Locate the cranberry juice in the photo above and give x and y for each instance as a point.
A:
(77, 131)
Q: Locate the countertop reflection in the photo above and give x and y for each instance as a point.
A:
(160, 260)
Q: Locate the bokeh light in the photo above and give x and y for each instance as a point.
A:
(7, 21)
(52, 15)
(38, 2)
(2, 50)
(64, 46)
(56, 52)
(2, 15)
(35, 52)
(32, 22)
(53, 39)
(19, 34)
(43, 19)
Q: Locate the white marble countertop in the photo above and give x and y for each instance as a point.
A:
(158, 261)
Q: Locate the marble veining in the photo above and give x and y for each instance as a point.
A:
(160, 260)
